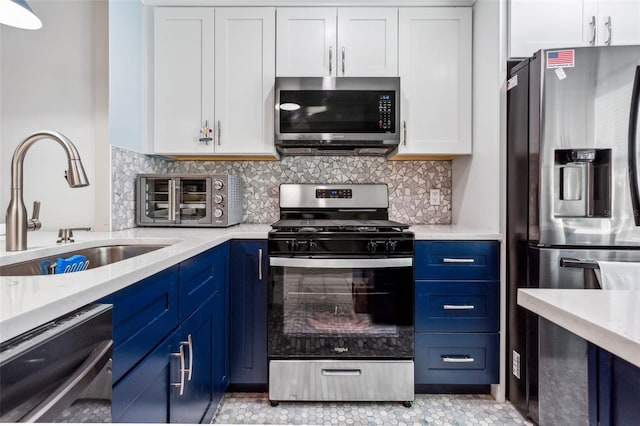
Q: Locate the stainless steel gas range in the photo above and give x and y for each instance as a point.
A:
(340, 314)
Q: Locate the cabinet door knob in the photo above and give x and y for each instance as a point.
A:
(343, 55)
(330, 60)
(189, 343)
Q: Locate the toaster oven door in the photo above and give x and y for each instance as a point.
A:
(156, 201)
(193, 200)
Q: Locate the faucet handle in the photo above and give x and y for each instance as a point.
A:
(34, 223)
(65, 235)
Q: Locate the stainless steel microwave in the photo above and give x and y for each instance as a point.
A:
(337, 115)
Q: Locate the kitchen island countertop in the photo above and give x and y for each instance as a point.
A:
(609, 319)
(29, 301)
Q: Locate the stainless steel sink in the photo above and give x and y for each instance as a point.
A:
(97, 256)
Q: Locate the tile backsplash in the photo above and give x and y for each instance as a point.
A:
(410, 183)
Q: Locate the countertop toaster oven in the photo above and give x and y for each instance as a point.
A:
(190, 200)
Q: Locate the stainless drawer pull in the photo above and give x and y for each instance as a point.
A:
(341, 372)
(454, 260)
(183, 370)
(458, 307)
(457, 358)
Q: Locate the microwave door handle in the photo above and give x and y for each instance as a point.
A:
(633, 147)
(64, 395)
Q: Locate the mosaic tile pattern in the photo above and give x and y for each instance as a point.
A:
(409, 183)
(125, 165)
(430, 409)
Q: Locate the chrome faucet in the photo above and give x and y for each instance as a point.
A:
(17, 223)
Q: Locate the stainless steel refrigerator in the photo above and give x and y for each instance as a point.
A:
(573, 199)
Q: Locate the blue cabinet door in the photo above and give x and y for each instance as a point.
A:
(613, 391)
(143, 314)
(142, 396)
(248, 339)
(194, 343)
(196, 282)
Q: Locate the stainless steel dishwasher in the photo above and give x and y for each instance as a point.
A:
(61, 371)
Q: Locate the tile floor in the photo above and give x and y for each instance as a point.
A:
(427, 409)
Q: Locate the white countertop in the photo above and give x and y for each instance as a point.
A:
(608, 318)
(29, 301)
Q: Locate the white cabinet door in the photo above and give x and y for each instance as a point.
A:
(435, 80)
(545, 24)
(245, 75)
(306, 40)
(368, 42)
(183, 79)
(618, 22)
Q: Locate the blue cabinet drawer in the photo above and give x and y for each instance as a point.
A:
(143, 314)
(457, 260)
(470, 306)
(196, 282)
(460, 358)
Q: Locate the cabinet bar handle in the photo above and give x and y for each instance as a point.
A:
(454, 260)
(189, 343)
(343, 60)
(330, 60)
(259, 264)
(457, 358)
(404, 132)
(173, 201)
(219, 132)
(341, 372)
(182, 370)
(592, 25)
(458, 307)
(607, 24)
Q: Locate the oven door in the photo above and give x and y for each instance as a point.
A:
(347, 308)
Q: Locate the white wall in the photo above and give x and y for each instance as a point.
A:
(126, 56)
(476, 178)
(47, 81)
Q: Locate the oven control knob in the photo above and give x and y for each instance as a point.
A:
(391, 246)
(218, 198)
(218, 213)
(312, 245)
(293, 245)
(372, 246)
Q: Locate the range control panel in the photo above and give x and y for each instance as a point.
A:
(334, 193)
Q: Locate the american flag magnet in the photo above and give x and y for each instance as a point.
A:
(561, 58)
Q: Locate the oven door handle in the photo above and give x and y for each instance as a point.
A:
(68, 391)
(305, 262)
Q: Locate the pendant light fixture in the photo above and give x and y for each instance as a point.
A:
(17, 13)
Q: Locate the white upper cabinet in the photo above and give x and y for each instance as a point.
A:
(214, 72)
(435, 81)
(549, 24)
(244, 78)
(319, 42)
(183, 79)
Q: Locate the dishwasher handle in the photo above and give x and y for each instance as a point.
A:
(61, 397)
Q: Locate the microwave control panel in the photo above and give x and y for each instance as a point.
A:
(385, 112)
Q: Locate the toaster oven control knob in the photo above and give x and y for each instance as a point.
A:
(391, 246)
(218, 198)
(218, 184)
(372, 246)
(218, 212)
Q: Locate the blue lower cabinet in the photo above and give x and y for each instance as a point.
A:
(456, 358)
(142, 396)
(614, 389)
(221, 307)
(143, 314)
(248, 316)
(192, 383)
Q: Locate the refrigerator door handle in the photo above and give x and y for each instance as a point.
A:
(633, 148)
(568, 262)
